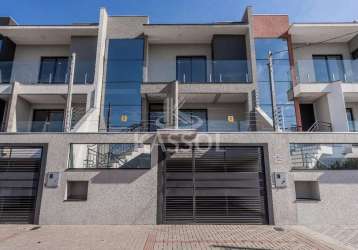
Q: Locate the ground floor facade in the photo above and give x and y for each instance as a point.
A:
(212, 178)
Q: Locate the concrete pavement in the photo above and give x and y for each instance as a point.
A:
(150, 237)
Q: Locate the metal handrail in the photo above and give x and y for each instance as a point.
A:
(317, 125)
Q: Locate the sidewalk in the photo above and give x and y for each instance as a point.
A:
(158, 237)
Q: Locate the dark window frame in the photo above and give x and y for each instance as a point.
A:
(150, 110)
(326, 59)
(351, 126)
(56, 58)
(48, 113)
(191, 68)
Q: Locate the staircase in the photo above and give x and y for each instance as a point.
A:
(113, 155)
(308, 156)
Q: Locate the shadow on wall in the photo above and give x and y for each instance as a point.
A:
(127, 173)
(339, 177)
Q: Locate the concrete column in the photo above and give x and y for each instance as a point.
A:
(100, 65)
(337, 108)
(11, 114)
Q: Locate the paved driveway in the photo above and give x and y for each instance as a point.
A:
(158, 237)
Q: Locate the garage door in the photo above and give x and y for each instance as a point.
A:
(223, 185)
(19, 178)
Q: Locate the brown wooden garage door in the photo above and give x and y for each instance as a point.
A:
(223, 185)
(19, 180)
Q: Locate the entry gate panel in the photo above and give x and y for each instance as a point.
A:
(223, 185)
(19, 178)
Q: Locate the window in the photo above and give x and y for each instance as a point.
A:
(47, 121)
(110, 156)
(193, 119)
(123, 80)
(350, 119)
(307, 190)
(156, 117)
(328, 68)
(53, 70)
(282, 75)
(191, 69)
(355, 54)
(77, 190)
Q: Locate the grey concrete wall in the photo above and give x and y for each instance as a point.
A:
(125, 26)
(353, 44)
(162, 59)
(23, 114)
(127, 197)
(27, 60)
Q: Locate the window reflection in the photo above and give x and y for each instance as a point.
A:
(282, 76)
(123, 80)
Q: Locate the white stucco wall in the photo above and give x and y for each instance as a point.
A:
(162, 59)
(28, 59)
(321, 109)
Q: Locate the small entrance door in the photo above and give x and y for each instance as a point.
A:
(307, 114)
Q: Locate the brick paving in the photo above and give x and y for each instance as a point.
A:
(149, 237)
(347, 234)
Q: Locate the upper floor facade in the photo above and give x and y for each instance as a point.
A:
(125, 74)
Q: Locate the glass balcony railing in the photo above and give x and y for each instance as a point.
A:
(36, 72)
(118, 120)
(40, 126)
(200, 71)
(327, 71)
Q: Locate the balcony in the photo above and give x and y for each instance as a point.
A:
(46, 72)
(199, 70)
(325, 71)
(40, 126)
(219, 119)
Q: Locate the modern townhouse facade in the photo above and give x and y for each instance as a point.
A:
(128, 122)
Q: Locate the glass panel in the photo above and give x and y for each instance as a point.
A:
(118, 155)
(286, 117)
(281, 89)
(126, 49)
(47, 71)
(123, 94)
(281, 69)
(184, 69)
(123, 118)
(336, 68)
(264, 93)
(123, 80)
(124, 71)
(55, 121)
(321, 69)
(193, 119)
(198, 69)
(61, 70)
(277, 46)
(156, 117)
(351, 123)
(262, 70)
(324, 156)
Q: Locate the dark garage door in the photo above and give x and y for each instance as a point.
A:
(19, 178)
(223, 185)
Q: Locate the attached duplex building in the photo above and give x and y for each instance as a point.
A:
(128, 122)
